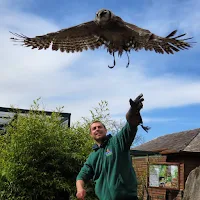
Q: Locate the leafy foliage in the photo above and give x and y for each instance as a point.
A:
(40, 157)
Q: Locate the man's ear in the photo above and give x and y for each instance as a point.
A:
(90, 134)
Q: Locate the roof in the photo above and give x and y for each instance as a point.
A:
(138, 153)
(6, 115)
(185, 141)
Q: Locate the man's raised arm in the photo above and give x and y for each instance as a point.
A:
(126, 136)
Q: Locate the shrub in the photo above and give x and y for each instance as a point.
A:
(40, 157)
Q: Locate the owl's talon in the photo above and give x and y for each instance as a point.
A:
(111, 66)
(128, 60)
(113, 62)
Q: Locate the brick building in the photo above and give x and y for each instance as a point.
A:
(180, 151)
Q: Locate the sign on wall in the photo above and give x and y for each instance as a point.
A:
(164, 176)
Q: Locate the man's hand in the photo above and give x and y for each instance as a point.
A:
(133, 115)
(81, 194)
(137, 105)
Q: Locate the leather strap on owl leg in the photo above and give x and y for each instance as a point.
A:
(146, 128)
(113, 62)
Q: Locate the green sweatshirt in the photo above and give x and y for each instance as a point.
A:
(110, 167)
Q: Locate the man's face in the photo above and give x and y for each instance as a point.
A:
(97, 131)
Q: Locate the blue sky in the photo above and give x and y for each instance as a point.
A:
(170, 83)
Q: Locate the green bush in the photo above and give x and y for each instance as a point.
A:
(40, 157)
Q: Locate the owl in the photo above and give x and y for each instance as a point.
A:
(110, 31)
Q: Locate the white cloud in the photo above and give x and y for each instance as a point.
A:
(27, 73)
(162, 17)
(80, 81)
(162, 92)
(158, 120)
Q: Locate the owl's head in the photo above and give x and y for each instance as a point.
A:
(103, 16)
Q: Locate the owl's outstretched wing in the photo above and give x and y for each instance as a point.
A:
(76, 38)
(143, 38)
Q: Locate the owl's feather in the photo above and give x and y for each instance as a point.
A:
(73, 39)
(150, 41)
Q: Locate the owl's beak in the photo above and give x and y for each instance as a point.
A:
(102, 13)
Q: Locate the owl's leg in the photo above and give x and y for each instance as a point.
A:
(128, 60)
(113, 62)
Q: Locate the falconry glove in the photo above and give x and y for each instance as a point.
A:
(133, 115)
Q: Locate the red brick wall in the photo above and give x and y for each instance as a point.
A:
(140, 166)
(188, 162)
(157, 194)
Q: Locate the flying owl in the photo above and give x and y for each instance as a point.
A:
(106, 30)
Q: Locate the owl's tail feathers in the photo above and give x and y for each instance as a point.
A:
(40, 42)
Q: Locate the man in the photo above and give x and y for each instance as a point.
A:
(109, 165)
